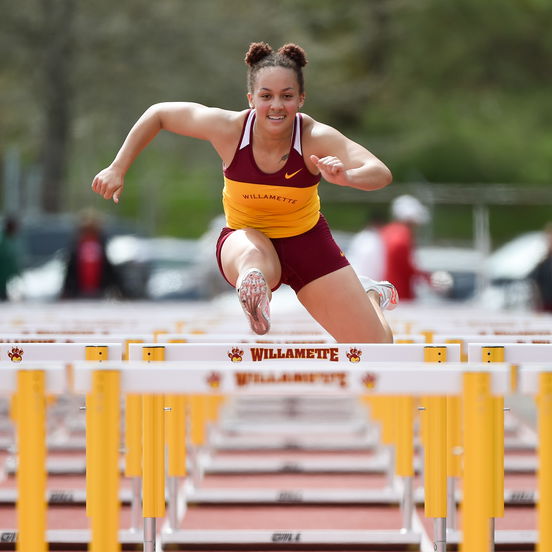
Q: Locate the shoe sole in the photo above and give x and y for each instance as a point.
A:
(253, 290)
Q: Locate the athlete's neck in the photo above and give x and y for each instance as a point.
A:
(272, 140)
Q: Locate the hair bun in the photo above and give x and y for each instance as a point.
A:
(257, 51)
(295, 53)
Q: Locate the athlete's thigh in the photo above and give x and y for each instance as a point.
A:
(338, 302)
(246, 246)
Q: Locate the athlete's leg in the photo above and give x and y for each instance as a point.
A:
(250, 262)
(248, 248)
(338, 302)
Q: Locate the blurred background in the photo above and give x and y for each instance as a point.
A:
(453, 96)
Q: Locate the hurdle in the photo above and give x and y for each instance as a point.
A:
(30, 384)
(537, 382)
(20, 352)
(391, 379)
(27, 356)
(335, 355)
(342, 355)
(518, 356)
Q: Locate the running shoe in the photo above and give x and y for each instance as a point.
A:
(253, 295)
(389, 298)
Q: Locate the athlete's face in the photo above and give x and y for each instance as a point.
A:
(276, 97)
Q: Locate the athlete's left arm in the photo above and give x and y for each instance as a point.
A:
(342, 161)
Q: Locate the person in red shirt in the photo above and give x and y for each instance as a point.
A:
(399, 243)
(89, 274)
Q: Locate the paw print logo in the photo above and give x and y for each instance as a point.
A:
(16, 354)
(354, 355)
(236, 354)
(214, 379)
(369, 380)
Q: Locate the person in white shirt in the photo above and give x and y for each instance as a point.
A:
(366, 252)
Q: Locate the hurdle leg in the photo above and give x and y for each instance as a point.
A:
(407, 503)
(478, 466)
(31, 471)
(153, 460)
(496, 354)
(135, 504)
(104, 419)
(435, 476)
(451, 503)
(544, 505)
(176, 452)
(196, 413)
(454, 465)
(150, 532)
(405, 457)
(133, 456)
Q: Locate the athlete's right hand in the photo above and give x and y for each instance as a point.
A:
(109, 183)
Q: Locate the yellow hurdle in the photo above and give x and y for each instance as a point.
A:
(477, 502)
(435, 454)
(133, 454)
(153, 447)
(463, 353)
(127, 344)
(496, 354)
(544, 504)
(405, 436)
(94, 354)
(133, 435)
(31, 471)
(105, 441)
(153, 459)
(435, 460)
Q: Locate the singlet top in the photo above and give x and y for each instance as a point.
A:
(280, 204)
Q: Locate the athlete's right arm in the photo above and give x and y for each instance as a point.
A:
(186, 118)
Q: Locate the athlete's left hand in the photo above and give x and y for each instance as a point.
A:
(331, 168)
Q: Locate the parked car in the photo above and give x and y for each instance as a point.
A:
(508, 269)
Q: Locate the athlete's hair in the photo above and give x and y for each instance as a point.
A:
(261, 54)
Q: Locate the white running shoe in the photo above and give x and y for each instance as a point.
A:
(253, 295)
(389, 298)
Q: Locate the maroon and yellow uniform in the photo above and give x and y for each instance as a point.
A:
(280, 204)
(284, 206)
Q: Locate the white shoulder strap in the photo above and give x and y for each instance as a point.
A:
(246, 138)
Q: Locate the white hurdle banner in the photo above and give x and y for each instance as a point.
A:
(336, 353)
(385, 378)
(513, 353)
(22, 353)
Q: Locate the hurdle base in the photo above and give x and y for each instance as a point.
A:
(73, 539)
(503, 538)
(384, 495)
(295, 539)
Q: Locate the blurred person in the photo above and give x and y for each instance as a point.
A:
(366, 252)
(398, 237)
(541, 275)
(9, 255)
(89, 272)
(273, 158)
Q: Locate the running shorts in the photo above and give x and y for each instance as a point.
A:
(304, 257)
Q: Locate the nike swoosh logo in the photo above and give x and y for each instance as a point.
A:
(288, 176)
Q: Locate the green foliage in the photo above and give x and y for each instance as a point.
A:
(443, 91)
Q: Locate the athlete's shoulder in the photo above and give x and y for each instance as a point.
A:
(316, 130)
